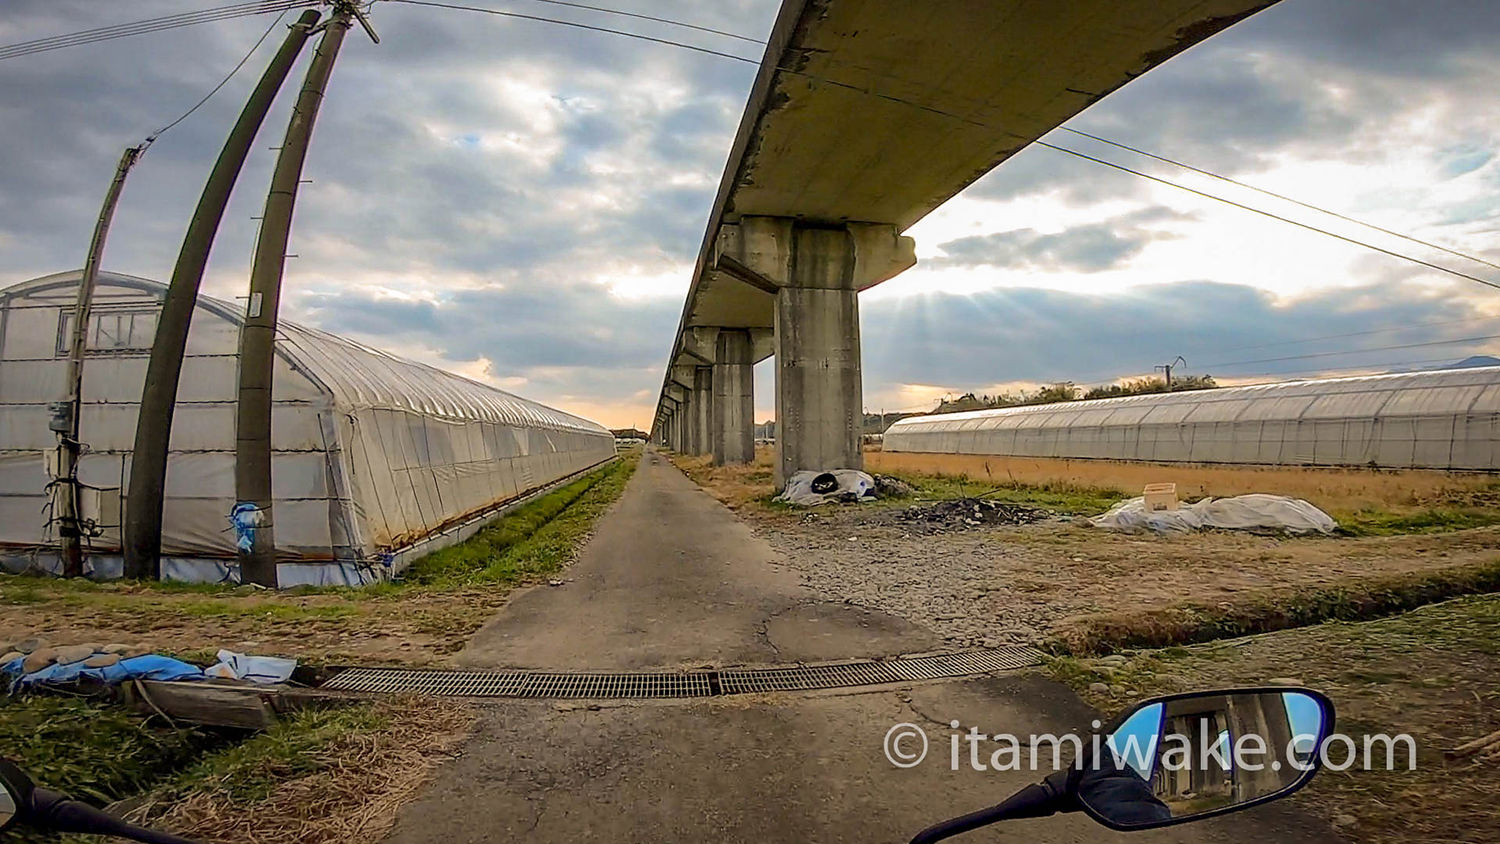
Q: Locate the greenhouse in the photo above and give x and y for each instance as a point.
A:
(376, 459)
(1447, 419)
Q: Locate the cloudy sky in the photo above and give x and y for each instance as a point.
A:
(522, 202)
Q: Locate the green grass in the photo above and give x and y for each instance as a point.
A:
(93, 750)
(1433, 520)
(1281, 610)
(533, 541)
(1430, 673)
(251, 770)
(101, 752)
(1067, 498)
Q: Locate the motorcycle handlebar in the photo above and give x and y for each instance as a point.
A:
(53, 811)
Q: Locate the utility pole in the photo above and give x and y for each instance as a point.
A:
(148, 465)
(1167, 371)
(65, 416)
(252, 517)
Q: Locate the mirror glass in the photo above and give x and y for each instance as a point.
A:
(7, 806)
(15, 792)
(1190, 755)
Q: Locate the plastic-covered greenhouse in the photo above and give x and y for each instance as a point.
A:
(1447, 419)
(375, 460)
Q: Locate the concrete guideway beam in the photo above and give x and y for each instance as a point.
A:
(866, 115)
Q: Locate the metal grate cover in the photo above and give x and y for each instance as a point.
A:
(680, 684)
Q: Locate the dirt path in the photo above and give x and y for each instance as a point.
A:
(672, 578)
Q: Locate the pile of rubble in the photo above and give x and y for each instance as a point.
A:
(963, 514)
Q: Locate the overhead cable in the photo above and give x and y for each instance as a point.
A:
(149, 25)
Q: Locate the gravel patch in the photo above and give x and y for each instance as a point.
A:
(888, 562)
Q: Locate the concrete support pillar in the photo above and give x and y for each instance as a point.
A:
(819, 407)
(815, 272)
(734, 399)
(702, 415)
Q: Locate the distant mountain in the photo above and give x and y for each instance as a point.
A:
(1467, 363)
(1473, 361)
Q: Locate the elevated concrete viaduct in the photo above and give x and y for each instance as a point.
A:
(865, 116)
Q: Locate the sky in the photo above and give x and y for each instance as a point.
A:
(522, 202)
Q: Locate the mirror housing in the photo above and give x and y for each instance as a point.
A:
(1186, 757)
(15, 794)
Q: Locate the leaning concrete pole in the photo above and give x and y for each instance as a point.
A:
(252, 465)
(68, 518)
(148, 465)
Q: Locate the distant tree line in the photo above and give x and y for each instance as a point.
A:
(1068, 391)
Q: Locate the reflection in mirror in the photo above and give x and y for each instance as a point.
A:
(15, 793)
(7, 807)
(1194, 754)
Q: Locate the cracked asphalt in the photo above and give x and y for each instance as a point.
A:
(672, 579)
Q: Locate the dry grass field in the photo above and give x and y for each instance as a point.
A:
(1338, 491)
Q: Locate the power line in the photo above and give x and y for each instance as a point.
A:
(592, 28)
(150, 139)
(1359, 369)
(971, 121)
(1283, 197)
(149, 25)
(1361, 333)
(1241, 205)
(1428, 344)
(667, 21)
(272, 5)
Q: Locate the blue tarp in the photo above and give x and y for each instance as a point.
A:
(148, 667)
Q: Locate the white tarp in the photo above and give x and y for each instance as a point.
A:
(809, 489)
(1242, 512)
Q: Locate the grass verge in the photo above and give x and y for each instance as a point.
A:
(419, 619)
(1271, 611)
(94, 750)
(534, 541)
(324, 776)
(320, 775)
(1432, 673)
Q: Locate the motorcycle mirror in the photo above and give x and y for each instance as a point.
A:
(1192, 756)
(15, 794)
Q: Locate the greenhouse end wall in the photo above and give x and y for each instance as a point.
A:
(372, 455)
(1448, 420)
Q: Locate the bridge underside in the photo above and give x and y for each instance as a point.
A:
(867, 115)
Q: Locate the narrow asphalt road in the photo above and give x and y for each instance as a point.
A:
(673, 579)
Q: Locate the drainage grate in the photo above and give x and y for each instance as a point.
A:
(534, 684)
(680, 684)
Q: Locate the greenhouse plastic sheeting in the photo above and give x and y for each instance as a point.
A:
(1242, 512)
(371, 453)
(1447, 419)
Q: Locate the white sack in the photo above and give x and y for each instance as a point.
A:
(851, 482)
(1242, 512)
(257, 669)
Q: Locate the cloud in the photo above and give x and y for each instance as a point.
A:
(479, 185)
(1042, 335)
(571, 343)
(1088, 248)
